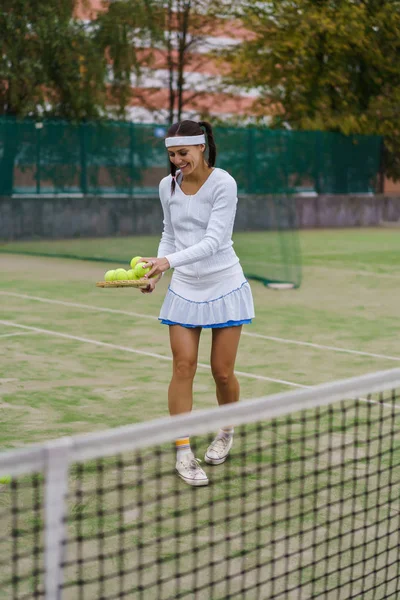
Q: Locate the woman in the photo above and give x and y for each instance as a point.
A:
(208, 288)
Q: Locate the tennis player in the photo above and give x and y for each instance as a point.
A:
(208, 288)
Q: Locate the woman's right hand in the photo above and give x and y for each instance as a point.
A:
(152, 284)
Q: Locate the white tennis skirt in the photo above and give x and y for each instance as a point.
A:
(223, 299)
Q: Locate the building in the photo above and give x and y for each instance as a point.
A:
(203, 92)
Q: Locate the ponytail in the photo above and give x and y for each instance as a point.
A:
(173, 175)
(212, 149)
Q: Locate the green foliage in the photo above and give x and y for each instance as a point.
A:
(55, 64)
(325, 65)
(122, 29)
(49, 63)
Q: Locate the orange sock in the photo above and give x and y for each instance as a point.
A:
(182, 446)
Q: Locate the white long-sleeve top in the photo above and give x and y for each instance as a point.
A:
(197, 235)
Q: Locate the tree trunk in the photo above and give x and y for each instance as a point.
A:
(182, 55)
(171, 71)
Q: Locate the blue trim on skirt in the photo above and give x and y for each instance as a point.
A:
(213, 326)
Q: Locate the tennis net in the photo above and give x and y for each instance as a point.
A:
(307, 505)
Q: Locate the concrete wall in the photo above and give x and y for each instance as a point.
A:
(57, 217)
(347, 211)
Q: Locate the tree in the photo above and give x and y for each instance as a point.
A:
(187, 24)
(43, 50)
(122, 30)
(325, 64)
(179, 27)
(55, 65)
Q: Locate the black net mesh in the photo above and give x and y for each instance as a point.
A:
(22, 538)
(306, 506)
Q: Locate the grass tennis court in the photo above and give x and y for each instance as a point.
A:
(86, 365)
(76, 358)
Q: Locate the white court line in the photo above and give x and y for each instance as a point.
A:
(330, 269)
(4, 335)
(133, 351)
(320, 346)
(245, 333)
(78, 305)
(168, 358)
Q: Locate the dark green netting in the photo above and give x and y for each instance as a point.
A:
(269, 162)
(267, 256)
(119, 159)
(129, 158)
(58, 157)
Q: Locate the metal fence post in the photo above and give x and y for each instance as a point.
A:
(318, 162)
(250, 161)
(380, 177)
(38, 128)
(57, 463)
(83, 157)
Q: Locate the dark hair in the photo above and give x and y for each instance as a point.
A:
(193, 128)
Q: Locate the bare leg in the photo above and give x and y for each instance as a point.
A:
(225, 342)
(185, 347)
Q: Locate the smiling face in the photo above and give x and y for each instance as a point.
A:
(187, 158)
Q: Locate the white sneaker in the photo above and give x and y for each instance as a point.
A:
(217, 452)
(189, 469)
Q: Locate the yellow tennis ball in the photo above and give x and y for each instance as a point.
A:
(121, 275)
(135, 261)
(140, 271)
(131, 274)
(109, 275)
(5, 479)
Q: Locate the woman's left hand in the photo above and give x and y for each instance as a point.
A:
(156, 265)
(151, 286)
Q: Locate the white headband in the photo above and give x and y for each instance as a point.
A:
(189, 140)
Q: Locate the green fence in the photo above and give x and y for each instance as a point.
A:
(128, 158)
